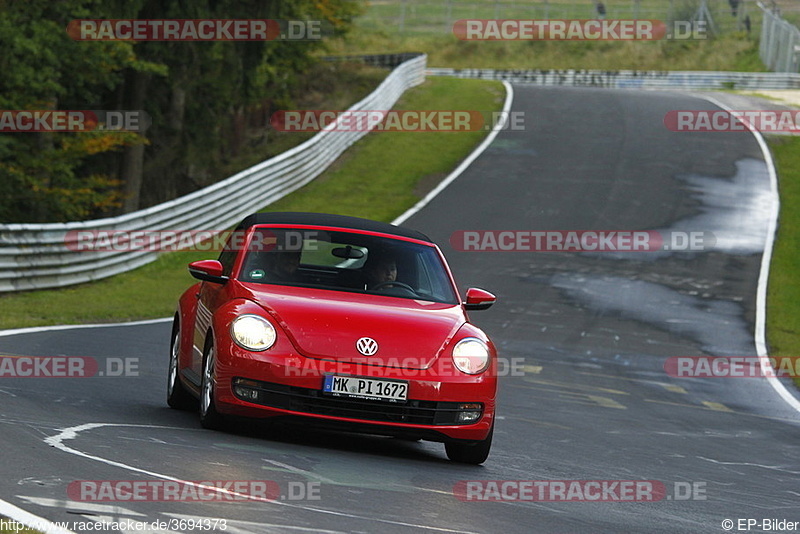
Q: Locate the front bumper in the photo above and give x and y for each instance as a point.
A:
(291, 385)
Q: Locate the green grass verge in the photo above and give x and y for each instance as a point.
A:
(731, 52)
(377, 178)
(783, 295)
(384, 176)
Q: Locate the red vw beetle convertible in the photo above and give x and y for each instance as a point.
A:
(339, 321)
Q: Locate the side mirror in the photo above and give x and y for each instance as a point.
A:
(478, 299)
(208, 271)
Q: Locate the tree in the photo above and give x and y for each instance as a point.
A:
(198, 94)
(44, 176)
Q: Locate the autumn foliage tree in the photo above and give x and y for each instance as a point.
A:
(200, 96)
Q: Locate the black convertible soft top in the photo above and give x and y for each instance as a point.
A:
(335, 221)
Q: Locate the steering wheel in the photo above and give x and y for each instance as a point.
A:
(401, 285)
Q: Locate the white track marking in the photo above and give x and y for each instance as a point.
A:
(37, 329)
(293, 469)
(766, 258)
(464, 164)
(71, 433)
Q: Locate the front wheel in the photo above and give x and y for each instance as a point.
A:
(177, 395)
(475, 452)
(209, 416)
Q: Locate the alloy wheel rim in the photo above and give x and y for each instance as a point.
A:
(173, 364)
(208, 387)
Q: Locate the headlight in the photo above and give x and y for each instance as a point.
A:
(253, 332)
(471, 356)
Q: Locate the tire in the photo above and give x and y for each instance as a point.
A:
(177, 395)
(474, 453)
(209, 416)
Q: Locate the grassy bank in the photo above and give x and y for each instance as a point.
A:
(783, 297)
(366, 182)
(734, 52)
(427, 26)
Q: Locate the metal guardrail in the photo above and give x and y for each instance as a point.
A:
(37, 256)
(631, 79)
(388, 61)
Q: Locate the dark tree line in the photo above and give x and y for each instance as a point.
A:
(201, 96)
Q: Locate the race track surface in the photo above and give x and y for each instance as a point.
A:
(588, 333)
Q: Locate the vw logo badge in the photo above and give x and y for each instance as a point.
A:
(367, 346)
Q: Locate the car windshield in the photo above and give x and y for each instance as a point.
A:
(347, 261)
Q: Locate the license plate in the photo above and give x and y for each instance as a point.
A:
(366, 388)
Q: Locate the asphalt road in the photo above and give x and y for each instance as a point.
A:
(591, 332)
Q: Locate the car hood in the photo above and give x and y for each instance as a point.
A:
(326, 324)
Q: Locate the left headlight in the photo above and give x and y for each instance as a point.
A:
(253, 332)
(471, 356)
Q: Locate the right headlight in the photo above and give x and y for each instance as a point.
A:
(253, 332)
(471, 356)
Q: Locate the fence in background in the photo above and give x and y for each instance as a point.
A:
(34, 256)
(632, 79)
(779, 47)
(418, 17)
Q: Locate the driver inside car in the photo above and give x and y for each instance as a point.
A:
(282, 266)
(381, 272)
